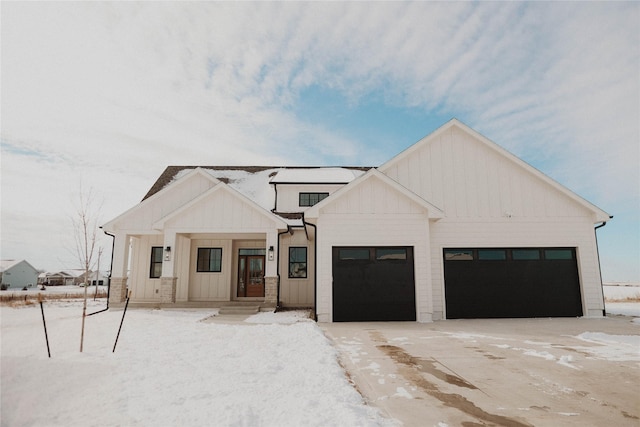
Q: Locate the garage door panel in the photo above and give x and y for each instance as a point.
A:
(514, 287)
(379, 288)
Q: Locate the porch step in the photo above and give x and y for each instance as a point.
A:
(239, 309)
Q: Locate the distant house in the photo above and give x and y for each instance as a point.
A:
(62, 278)
(98, 277)
(17, 274)
(453, 227)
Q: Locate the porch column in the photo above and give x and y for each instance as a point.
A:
(271, 270)
(118, 282)
(168, 281)
(168, 290)
(271, 290)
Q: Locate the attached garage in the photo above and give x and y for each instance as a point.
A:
(373, 284)
(511, 282)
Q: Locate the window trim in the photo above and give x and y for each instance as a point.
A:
(211, 250)
(306, 262)
(152, 263)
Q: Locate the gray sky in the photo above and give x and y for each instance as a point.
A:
(109, 94)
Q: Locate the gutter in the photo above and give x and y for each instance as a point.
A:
(315, 266)
(595, 232)
(113, 243)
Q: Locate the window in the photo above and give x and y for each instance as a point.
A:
(391, 253)
(252, 251)
(525, 254)
(209, 260)
(458, 255)
(298, 263)
(354, 254)
(310, 199)
(492, 254)
(155, 270)
(558, 254)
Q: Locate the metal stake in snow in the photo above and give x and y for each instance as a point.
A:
(121, 321)
(44, 322)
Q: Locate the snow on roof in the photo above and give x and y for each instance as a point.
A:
(318, 175)
(254, 182)
(254, 185)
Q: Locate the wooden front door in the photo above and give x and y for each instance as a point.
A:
(251, 276)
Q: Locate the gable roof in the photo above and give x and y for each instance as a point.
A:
(238, 177)
(221, 187)
(6, 264)
(434, 211)
(599, 213)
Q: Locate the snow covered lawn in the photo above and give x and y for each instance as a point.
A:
(172, 368)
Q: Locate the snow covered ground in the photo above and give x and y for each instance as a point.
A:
(177, 367)
(170, 368)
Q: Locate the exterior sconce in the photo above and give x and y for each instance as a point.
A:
(270, 253)
(167, 253)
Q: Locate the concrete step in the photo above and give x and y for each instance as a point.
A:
(239, 309)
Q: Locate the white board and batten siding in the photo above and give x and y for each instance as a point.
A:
(296, 292)
(491, 200)
(144, 288)
(373, 214)
(211, 286)
(289, 194)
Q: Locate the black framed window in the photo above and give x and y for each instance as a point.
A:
(492, 254)
(209, 260)
(298, 263)
(458, 255)
(155, 270)
(310, 199)
(354, 254)
(393, 254)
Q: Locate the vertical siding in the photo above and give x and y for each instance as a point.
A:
(288, 200)
(490, 200)
(222, 211)
(143, 288)
(296, 292)
(373, 214)
(210, 286)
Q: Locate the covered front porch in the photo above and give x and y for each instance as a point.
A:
(199, 270)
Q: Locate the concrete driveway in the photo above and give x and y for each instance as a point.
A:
(497, 372)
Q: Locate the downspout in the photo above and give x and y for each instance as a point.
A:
(113, 243)
(275, 203)
(595, 232)
(315, 266)
(288, 230)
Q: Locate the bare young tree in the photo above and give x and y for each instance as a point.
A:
(85, 225)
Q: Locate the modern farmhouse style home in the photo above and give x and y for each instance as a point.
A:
(453, 227)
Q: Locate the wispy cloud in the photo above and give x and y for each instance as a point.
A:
(116, 91)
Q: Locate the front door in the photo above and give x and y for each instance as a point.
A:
(251, 276)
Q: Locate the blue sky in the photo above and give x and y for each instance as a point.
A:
(109, 94)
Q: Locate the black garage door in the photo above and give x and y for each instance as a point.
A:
(511, 282)
(373, 284)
